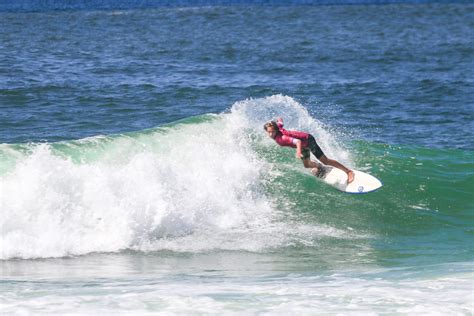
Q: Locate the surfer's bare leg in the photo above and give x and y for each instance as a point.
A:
(350, 174)
(316, 167)
(308, 163)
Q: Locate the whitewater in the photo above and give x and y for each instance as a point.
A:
(152, 190)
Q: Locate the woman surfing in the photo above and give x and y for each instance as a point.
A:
(304, 143)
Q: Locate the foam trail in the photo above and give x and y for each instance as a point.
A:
(193, 186)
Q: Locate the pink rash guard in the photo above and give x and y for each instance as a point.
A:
(289, 138)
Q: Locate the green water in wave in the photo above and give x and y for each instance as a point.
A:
(424, 213)
(106, 148)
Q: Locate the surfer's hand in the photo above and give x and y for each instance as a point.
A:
(299, 155)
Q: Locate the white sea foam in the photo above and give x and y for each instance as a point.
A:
(339, 293)
(190, 187)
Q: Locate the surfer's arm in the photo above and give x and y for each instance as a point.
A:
(280, 122)
(297, 142)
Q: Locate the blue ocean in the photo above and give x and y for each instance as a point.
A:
(136, 177)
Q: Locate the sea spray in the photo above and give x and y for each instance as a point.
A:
(295, 116)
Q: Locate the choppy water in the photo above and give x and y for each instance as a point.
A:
(136, 177)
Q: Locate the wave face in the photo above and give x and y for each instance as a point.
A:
(216, 182)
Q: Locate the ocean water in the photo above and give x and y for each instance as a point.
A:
(136, 178)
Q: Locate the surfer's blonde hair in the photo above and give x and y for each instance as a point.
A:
(270, 123)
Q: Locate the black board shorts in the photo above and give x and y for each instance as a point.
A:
(314, 147)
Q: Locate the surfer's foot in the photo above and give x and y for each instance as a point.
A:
(350, 176)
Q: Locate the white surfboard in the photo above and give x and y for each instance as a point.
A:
(363, 182)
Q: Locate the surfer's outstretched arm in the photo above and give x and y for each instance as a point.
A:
(307, 162)
(299, 153)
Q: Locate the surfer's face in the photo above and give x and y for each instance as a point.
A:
(271, 131)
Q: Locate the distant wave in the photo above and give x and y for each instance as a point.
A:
(32, 5)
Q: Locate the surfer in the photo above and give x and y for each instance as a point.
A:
(303, 142)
